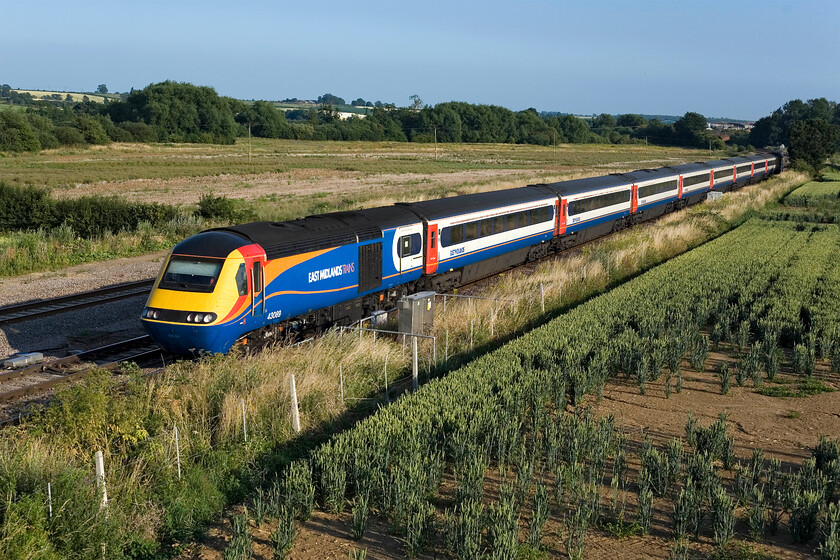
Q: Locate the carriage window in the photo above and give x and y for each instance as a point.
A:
(471, 231)
(242, 280)
(498, 224)
(486, 227)
(723, 173)
(456, 235)
(510, 223)
(523, 218)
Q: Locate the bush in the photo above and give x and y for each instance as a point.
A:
(222, 209)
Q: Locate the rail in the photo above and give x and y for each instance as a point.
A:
(46, 307)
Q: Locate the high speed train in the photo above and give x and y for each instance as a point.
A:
(255, 283)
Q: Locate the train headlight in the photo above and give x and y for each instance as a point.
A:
(151, 313)
(210, 317)
(190, 317)
(199, 317)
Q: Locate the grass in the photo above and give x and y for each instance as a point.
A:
(800, 389)
(68, 167)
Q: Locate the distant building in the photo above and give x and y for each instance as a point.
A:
(726, 125)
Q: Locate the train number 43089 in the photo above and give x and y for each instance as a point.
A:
(274, 315)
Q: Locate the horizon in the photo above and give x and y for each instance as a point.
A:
(567, 57)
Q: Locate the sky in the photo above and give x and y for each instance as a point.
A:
(734, 58)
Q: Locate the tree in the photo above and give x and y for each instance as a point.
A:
(416, 102)
(812, 141)
(330, 99)
(631, 120)
(16, 134)
(179, 112)
(101, 88)
(603, 121)
(358, 102)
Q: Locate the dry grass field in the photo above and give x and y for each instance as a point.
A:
(355, 173)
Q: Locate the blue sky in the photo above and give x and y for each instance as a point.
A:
(740, 59)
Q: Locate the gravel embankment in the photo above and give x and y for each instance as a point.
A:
(85, 328)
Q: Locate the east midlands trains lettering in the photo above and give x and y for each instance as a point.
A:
(326, 273)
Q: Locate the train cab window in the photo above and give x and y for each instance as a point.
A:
(498, 224)
(471, 231)
(257, 277)
(486, 227)
(242, 280)
(190, 274)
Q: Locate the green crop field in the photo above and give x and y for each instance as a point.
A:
(500, 424)
(816, 192)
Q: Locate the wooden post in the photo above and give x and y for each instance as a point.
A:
(244, 425)
(49, 497)
(387, 396)
(100, 478)
(446, 348)
(472, 325)
(177, 452)
(340, 383)
(542, 296)
(295, 412)
(414, 380)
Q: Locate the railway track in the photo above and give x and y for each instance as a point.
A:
(46, 307)
(37, 379)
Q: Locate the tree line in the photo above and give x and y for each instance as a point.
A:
(180, 112)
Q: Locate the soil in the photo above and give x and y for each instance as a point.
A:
(786, 428)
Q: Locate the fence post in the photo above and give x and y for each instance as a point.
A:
(100, 478)
(446, 348)
(472, 325)
(177, 452)
(295, 413)
(49, 497)
(244, 425)
(341, 383)
(542, 297)
(387, 396)
(491, 323)
(414, 380)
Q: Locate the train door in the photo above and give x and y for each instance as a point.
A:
(561, 219)
(431, 248)
(680, 188)
(409, 248)
(634, 199)
(257, 288)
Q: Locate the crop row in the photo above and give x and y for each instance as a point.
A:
(761, 286)
(816, 192)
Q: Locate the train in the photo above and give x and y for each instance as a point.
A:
(256, 283)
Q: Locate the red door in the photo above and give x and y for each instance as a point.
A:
(634, 199)
(431, 248)
(561, 217)
(679, 191)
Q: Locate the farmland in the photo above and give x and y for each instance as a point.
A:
(501, 424)
(206, 401)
